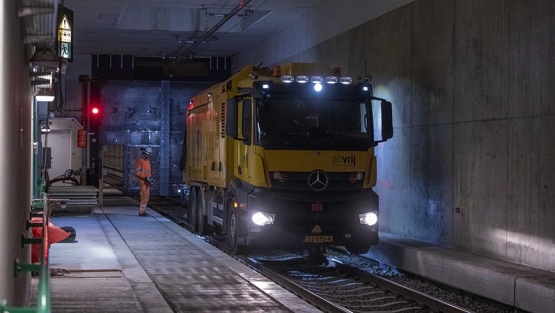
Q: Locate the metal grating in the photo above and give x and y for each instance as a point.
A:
(222, 121)
(81, 199)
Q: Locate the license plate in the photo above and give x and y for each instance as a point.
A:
(318, 239)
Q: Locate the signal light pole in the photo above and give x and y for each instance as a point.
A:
(93, 115)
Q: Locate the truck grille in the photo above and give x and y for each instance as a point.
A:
(297, 182)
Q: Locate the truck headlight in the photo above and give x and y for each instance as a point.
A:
(370, 218)
(261, 218)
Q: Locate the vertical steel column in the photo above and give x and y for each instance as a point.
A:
(42, 119)
(164, 138)
(95, 149)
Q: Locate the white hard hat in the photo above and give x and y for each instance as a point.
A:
(147, 150)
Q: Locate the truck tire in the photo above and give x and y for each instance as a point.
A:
(203, 228)
(232, 233)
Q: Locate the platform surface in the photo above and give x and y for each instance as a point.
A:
(122, 262)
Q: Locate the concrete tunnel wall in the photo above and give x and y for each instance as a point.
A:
(471, 162)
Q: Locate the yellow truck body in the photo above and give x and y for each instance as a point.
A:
(284, 158)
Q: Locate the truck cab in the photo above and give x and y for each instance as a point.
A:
(300, 158)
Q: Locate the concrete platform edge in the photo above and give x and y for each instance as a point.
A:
(533, 296)
(140, 282)
(525, 288)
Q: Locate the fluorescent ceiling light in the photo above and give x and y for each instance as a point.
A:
(45, 95)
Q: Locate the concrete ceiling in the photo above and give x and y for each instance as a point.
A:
(174, 28)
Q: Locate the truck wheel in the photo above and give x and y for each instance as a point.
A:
(232, 233)
(203, 228)
(231, 238)
(192, 214)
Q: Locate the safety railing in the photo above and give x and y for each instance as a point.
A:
(42, 268)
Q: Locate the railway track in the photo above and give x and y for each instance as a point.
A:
(345, 288)
(333, 287)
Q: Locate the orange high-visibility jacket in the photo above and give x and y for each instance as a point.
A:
(143, 168)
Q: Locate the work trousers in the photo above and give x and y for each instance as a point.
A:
(145, 195)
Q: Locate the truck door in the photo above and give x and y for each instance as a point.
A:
(245, 149)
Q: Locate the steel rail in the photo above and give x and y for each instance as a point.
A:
(293, 287)
(418, 296)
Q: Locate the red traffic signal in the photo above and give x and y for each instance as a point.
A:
(95, 111)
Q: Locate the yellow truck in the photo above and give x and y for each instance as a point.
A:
(283, 158)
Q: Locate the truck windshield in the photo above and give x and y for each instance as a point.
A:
(288, 122)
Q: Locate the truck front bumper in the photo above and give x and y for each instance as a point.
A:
(296, 224)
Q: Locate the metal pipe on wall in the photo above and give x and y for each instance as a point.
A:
(231, 14)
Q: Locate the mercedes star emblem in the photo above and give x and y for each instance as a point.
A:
(318, 180)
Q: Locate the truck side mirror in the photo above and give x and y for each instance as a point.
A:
(387, 120)
(231, 116)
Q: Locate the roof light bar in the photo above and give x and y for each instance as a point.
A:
(332, 80)
(302, 79)
(287, 78)
(316, 79)
(345, 80)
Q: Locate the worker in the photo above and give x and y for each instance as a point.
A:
(144, 174)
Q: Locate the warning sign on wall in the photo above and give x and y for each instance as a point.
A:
(65, 36)
(81, 138)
